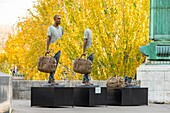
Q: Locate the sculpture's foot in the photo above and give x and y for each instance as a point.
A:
(52, 85)
(52, 82)
(87, 83)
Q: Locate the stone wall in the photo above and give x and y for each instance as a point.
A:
(157, 79)
(5, 93)
(22, 88)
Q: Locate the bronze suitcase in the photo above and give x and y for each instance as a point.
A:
(82, 66)
(47, 64)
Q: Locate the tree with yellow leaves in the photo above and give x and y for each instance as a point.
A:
(119, 28)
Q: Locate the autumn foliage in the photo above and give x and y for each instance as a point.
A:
(119, 28)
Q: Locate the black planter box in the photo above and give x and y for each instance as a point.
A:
(127, 96)
(52, 96)
(90, 96)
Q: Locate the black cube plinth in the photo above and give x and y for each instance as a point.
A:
(52, 96)
(90, 96)
(127, 96)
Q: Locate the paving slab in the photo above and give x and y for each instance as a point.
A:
(23, 106)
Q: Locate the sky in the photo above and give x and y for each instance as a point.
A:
(10, 10)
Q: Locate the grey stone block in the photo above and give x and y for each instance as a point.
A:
(167, 86)
(167, 96)
(167, 76)
(144, 76)
(157, 79)
(148, 84)
(5, 93)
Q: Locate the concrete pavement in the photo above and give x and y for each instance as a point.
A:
(23, 106)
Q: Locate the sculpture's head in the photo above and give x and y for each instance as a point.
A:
(57, 19)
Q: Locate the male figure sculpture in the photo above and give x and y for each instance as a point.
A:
(54, 33)
(87, 44)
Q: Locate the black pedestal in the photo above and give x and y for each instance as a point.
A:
(127, 96)
(52, 96)
(90, 96)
